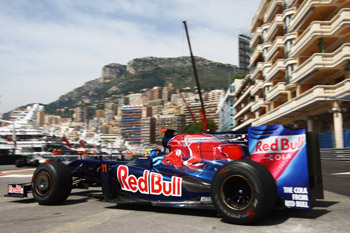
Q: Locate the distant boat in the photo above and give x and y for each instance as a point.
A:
(26, 140)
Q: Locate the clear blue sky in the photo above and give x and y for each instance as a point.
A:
(50, 47)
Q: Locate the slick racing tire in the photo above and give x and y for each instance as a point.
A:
(51, 183)
(243, 192)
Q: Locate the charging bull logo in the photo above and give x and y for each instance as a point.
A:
(150, 183)
(277, 152)
(192, 151)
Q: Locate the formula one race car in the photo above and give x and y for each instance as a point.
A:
(243, 175)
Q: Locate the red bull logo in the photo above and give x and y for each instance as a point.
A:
(149, 183)
(18, 189)
(277, 152)
(280, 144)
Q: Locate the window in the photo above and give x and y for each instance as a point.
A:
(286, 23)
(231, 102)
(289, 71)
(264, 32)
(287, 47)
(232, 89)
(265, 52)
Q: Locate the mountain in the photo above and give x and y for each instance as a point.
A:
(141, 73)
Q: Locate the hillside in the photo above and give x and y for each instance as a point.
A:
(143, 73)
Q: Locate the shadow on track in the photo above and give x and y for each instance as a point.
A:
(276, 217)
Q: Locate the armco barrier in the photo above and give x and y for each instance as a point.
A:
(335, 154)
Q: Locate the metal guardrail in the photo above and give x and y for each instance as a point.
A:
(335, 154)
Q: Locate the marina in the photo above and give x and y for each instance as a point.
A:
(24, 142)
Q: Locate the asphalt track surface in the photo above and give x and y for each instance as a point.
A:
(85, 211)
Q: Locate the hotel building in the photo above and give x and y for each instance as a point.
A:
(299, 68)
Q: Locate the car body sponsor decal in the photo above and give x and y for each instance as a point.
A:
(149, 183)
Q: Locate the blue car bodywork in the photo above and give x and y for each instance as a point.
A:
(241, 174)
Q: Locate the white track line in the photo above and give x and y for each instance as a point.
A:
(15, 176)
(341, 173)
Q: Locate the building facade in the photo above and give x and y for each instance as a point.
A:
(131, 122)
(147, 130)
(169, 122)
(225, 109)
(299, 69)
(244, 52)
(81, 114)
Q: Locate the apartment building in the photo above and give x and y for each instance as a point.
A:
(131, 122)
(225, 109)
(111, 110)
(215, 95)
(147, 130)
(168, 91)
(136, 99)
(195, 107)
(169, 122)
(299, 68)
(81, 114)
(244, 52)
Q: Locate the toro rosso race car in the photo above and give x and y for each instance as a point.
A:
(242, 175)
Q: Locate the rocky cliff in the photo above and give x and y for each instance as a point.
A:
(141, 73)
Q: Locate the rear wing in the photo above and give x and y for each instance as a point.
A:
(293, 158)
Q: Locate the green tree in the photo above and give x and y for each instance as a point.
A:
(238, 76)
(197, 127)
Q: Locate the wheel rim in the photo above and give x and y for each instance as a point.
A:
(42, 183)
(237, 192)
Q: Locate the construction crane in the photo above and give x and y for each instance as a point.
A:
(188, 107)
(205, 126)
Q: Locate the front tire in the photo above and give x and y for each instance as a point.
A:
(243, 192)
(52, 183)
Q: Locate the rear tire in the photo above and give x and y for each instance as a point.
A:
(52, 183)
(243, 191)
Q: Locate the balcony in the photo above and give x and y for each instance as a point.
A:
(257, 72)
(256, 38)
(273, 7)
(266, 48)
(265, 69)
(288, 40)
(240, 99)
(275, 29)
(290, 61)
(290, 11)
(256, 54)
(255, 89)
(302, 104)
(310, 11)
(277, 90)
(258, 18)
(276, 47)
(257, 105)
(321, 61)
(277, 67)
(244, 125)
(292, 2)
(243, 111)
(317, 29)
